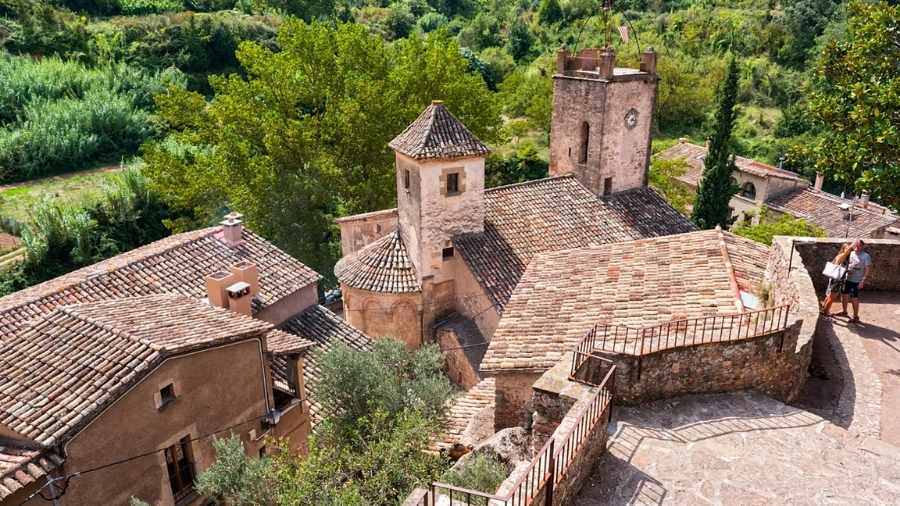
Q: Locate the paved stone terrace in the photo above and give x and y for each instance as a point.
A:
(879, 333)
(738, 448)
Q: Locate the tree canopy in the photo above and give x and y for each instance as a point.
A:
(854, 104)
(302, 137)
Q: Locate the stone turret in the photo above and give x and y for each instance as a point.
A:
(440, 186)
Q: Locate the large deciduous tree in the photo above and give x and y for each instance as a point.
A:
(855, 104)
(302, 135)
(716, 184)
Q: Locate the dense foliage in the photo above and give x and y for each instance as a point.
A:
(477, 471)
(768, 227)
(381, 408)
(58, 115)
(59, 239)
(711, 208)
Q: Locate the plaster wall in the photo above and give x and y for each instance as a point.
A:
(472, 301)
(459, 369)
(362, 229)
(287, 307)
(512, 405)
(134, 424)
(429, 216)
(394, 315)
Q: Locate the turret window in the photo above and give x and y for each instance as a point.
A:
(406, 179)
(452, 183)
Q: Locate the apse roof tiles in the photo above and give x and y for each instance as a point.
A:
(383, 266)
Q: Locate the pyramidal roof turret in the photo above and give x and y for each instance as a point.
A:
(436, 133)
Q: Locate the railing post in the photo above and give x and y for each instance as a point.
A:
(552, 480)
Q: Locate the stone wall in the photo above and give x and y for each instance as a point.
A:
(362, 229)
(753, 363)
(459, 368)
(513, 397)
(395, 315)
(814, 253)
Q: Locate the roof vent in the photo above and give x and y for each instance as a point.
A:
(232, 229)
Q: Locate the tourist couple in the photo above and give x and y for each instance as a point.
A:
(856, 265)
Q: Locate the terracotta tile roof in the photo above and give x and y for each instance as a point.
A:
(327, 330)
(634, 283)
(176, 264)
(436, 133)
(823, 209)
(463, 411)
(748, 260)
(21, 467)
(551, 214)
(383, 266)
(279, 342)
(63, 368)
(694, 156)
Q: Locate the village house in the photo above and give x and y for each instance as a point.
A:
(784, 192)
(115, 377)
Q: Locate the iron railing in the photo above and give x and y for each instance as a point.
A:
(546, 469)
(681, 333)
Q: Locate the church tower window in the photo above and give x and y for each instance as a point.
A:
(585, 142)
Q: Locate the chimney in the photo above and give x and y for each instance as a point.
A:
(215, 288)
(248, 273)
(864, 200)
(232, 229)
(820, 180)
(648, 61)
(607, 63)
(239, 298)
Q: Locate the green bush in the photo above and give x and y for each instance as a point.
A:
(58, 115)
(137, 7)
(481, 472)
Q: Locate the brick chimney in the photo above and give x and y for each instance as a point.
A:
(607, 63)
(820, 180)
(239, 298)
(864, 200)
(216, 283)
(232, 229)
(248, 273)
(648, 61)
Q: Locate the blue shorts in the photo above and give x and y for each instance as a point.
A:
(851, 288)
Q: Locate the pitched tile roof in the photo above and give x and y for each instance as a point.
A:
(694, 156)
(634, 283)
(176, 264)
(21, 467)
(551, 214)
(436, 133)
(279, 342)
(327, 330)
(823, 209)
(383, 266)
(63, 368)
(463, 412)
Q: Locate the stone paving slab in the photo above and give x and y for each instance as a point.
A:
(738, 448)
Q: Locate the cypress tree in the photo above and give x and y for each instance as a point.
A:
(549, 12)
(716, 184)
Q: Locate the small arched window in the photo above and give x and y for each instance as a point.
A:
(748, 191)
(585, 141)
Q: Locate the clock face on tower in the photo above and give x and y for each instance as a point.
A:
(631, 118)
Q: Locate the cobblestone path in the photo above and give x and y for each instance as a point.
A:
(739, 448)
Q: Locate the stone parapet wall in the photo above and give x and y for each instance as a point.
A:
(513, 398)
(754, 363)
(815, 253)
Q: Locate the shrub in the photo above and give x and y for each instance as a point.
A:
(480, 471)
(769, 227)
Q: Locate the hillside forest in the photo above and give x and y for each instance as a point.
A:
(282, 109)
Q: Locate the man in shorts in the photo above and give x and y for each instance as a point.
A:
(857, 271)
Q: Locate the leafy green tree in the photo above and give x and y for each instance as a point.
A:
(717, 184)
(234, 479)
(768, 227)
(854, 104)
(307, 10)
(478, 471)
(549, 12)
(520, 40)
(390, 378)
(523, 165)
(804, 20)
(302, 136)
(663, 174)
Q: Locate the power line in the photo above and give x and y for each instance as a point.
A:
(65, 479)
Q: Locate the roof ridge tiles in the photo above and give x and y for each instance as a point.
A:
(529, 182)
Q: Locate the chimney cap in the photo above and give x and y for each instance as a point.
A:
(437, 102)
(238, 290)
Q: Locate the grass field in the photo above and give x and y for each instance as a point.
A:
(17, 200)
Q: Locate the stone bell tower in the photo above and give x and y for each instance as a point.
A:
(440, 187)
(602, 117)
